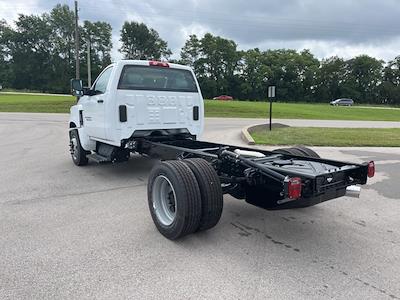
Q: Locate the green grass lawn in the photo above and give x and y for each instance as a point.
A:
(35, 103)
(340, 137)
(238, 109)
(244, 109)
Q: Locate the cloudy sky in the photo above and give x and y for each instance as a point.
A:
(342, 27)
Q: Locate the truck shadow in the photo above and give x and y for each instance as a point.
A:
(137, 166)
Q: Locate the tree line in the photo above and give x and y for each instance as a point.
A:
(298, 76)
(38, 54)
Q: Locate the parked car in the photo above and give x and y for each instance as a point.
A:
(223, 98)
(342, 102)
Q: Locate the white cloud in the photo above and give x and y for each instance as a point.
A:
(324, 49)
(9, 10)
(341, 27)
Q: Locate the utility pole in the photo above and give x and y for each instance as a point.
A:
(89, 66)
(76, 42)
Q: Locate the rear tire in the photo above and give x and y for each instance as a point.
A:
(174, 199)
(307, 151)
(211, 192)
(298, 151)
(78, 154)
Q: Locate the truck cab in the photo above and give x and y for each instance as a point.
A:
(132, 98)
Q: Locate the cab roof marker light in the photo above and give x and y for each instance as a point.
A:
(158, 64)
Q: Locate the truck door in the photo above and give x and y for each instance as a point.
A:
(94, 107)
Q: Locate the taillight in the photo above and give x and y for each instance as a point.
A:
(294, 188)
(371, 169)
(158, 64)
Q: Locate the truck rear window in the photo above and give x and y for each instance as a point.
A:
(157, 79)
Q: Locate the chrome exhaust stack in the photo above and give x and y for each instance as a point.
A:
(353, 191)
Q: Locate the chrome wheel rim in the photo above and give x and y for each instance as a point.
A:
(164, 200)
(74, 147)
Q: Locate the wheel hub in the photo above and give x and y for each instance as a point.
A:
(73, 147)
(164, 200)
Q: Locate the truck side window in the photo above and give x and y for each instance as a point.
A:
(102, 81)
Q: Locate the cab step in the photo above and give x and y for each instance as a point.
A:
(99, 158)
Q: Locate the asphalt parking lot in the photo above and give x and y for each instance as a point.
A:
(69, 232)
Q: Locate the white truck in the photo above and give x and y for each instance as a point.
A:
(156, 109)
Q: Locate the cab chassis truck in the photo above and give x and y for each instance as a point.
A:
(156, 109)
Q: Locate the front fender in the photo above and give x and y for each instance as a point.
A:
(76, 122)
(74, 116)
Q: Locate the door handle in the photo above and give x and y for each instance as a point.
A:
(100, 101)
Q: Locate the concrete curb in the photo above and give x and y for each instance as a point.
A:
(246, 137)
(246, 131)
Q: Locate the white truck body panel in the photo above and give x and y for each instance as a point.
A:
(155, 110)
(147, 109)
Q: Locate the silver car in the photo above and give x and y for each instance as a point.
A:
(342, 102)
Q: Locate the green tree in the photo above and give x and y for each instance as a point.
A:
(98, 35)
(190, 52)
(363, 80)
(5, 65)
(31, 51)
(141, 42)
(294, 74)
(308, 74)
(254, 75)
(330, 79)
(215, 61)
(61, 20)
(391, 82)
(41, 49)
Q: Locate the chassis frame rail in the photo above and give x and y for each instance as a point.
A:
(251, 178)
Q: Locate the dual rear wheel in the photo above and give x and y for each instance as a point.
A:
(184, 197)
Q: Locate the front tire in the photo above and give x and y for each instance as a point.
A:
(78, 154)
(174, 199)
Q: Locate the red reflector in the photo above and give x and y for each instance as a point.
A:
(158, 64)
(294, 188)
(371, 169)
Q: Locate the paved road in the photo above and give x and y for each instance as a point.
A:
(69, 232)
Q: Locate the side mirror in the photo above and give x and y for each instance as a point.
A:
(76, 87)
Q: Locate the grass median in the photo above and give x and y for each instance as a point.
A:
(336, 137)
(247, 109)
(35, 103)
(228, 109)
